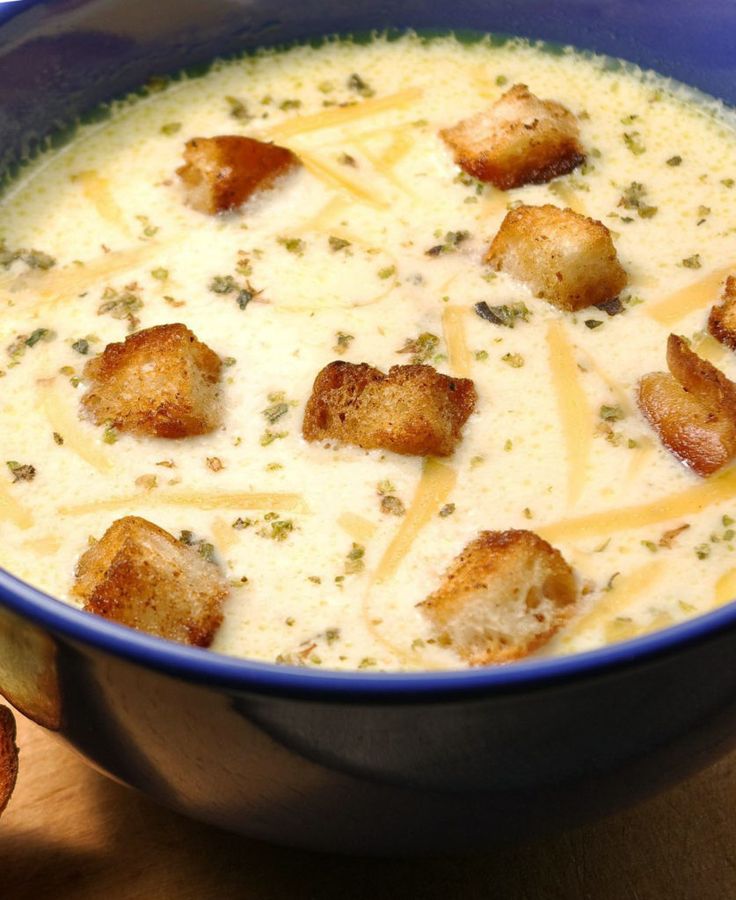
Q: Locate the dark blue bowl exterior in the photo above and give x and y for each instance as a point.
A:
(380, 764)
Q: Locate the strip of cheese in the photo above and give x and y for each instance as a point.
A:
(333, 178)
(97, 190)
(359, 528)
(569, 196)
(574, 411)
(53, 286)
(707, 347)
(66, 424)
(695, 296)
(13, 511)
(714, 490)
(453, 326)
(341, 115)
(433, 489)
(197, 499)
(624, 590)
(641, 456)
(725, 588)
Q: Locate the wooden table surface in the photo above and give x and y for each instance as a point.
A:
(70, 833)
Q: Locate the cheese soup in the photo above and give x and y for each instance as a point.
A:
(372, 250)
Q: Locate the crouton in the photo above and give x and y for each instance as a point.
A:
(221, 173)
(137, 574)
(8, 757)
(563, 257)
(413, 410)
(519, 140)
(693, 409)
(504, 596)
(161, 381)
(722, 318)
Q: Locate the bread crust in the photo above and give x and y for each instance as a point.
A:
(693, 409)
(563, 257)
(221, 173)
(722, 318)
(503, 597)
(413, 410)
(8, 757)
(137, 574)
(161, 381)
(519, 140)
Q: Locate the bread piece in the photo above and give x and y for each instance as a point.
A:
(722, 318)
(519, 140)
(563, 257)
(221, 173)
(693, 410)
(137, 574)
(8, 757)
(413, 410)
(504, 596)
(161, 381)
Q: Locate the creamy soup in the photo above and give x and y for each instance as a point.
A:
(329, 549)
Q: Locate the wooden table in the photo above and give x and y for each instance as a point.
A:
(70, 833)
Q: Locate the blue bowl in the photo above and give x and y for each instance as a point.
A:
(369, 763)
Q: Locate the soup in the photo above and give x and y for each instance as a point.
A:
(371, 245)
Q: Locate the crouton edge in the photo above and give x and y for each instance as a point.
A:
(504, 596)
(138, 575)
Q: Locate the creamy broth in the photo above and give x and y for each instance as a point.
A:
(556, 444)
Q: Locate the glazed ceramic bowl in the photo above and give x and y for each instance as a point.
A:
(356, 762)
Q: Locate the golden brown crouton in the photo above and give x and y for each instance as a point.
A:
(161, 381)
(562, 257)
(139, 575)
(8, 756)
(413, 410)
(693, 410)
(223, 172)
(722, 318)
(519, 140)
(504, 596)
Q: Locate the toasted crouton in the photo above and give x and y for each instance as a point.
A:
(519, 140)
(722, 318)
(8, 757)
(221, 173)
(563, 257)
(161, 381)
(504, 596)
(139, 575)
(693, 410)
(413, 410)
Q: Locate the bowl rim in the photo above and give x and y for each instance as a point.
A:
(210, 667)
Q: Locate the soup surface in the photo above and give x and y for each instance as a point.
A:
(330, 548)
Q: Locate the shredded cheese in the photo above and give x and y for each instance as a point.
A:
(198, 499)
(341, 115)
(725, 588)
(458, 353)
(359, 528)
(716, 489)
(623, 590)
(573, 407)
(68, 426)
(433, 489)
(13, 511)
(333, 178)
(707, 347)
(689, 299)
(97, 190)
(54, 286)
